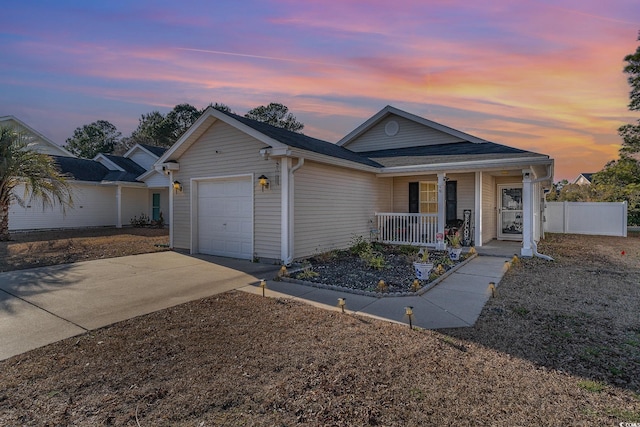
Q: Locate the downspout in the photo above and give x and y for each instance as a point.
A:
(290, 223)
(534, 245)
(170, 209)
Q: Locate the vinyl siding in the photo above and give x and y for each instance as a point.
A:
(223, 151)
(410, 134)
(157, 180)
(134, 203)
(332, 205)
(94, 206)
(143, 159)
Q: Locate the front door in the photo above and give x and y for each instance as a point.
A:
(510, 212)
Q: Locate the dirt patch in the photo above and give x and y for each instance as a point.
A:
(559, 345)
(42, 248)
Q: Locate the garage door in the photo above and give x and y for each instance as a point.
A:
(225, 218)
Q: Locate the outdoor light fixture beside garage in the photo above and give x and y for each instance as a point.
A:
(264, 182)
(177, 186)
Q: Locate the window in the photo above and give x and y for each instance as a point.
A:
(429, 197)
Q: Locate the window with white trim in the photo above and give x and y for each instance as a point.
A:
(428, 197)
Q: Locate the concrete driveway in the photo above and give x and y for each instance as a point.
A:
(44, 305)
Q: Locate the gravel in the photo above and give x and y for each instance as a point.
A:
(351, 272)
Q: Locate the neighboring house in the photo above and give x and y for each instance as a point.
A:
(246, 189)
(107, 191)
(583, 179)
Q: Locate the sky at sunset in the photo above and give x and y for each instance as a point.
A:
(541, 75)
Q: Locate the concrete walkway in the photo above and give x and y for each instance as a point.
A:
(455, 302)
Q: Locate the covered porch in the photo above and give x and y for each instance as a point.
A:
(417, 229)
(482, 206)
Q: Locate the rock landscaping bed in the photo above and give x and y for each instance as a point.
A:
(361, 268)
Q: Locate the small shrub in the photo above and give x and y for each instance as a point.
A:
(307, 274)
(376, 261)
(359, 245)
(408, 250)
(139, 222)
(159, 223)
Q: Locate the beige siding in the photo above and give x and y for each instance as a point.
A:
(331, 206)
(143, 159)
(489, 208)
(94, 206)
(410, 134)
(223, 151)
(134, 203)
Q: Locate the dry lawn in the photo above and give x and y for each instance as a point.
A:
(41, 248)
(560, 345)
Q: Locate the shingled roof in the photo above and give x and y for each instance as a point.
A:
(454, 149)
(304, 142)
(157, 151)
(127, 164)
(92, 171)
(81, 169)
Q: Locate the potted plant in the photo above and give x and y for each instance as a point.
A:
(422, 265)
(455, 246)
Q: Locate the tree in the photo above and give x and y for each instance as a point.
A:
(276, 115)
(38, 172)
(94, 138)
(630, 133)
(180, 119)
(152, 130)
(159, 130)
(221, 107)
(620, 180)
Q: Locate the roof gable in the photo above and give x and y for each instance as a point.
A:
(42, 143)
(272, 136)
(304, 142)
(392, 128)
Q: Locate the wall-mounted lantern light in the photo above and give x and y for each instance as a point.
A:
(264, 182)
(177, 186)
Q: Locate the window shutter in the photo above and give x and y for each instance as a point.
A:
(452, 200)
(414, 197)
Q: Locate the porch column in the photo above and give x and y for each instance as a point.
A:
(477, 235)
(170, 176)
(119, 206)
(527, 211)
(285, 163)
(441, 202)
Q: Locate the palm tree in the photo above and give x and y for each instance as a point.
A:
(39, 173)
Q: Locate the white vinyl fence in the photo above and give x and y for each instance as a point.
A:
(598, 218)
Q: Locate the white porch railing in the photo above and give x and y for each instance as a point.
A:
(407, 228)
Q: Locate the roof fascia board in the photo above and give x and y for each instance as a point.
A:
(487, 165)
(139, 147)
(125, 184)
(334, 161)
(101, 158)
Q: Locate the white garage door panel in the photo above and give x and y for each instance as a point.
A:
(225, 218)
